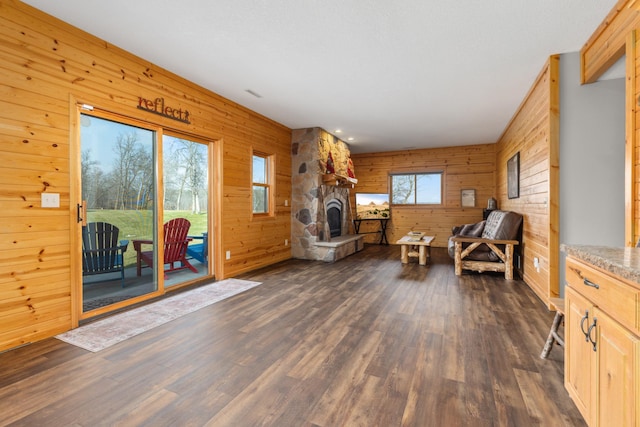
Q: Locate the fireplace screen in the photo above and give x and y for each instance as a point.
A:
(334, 217)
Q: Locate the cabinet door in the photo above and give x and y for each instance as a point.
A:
(579, 356)
(618, 353)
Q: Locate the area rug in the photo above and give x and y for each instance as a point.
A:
(101, 302)
(111, 330)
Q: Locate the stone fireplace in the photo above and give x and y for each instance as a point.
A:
(320, 207)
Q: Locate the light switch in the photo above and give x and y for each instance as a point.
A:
(50, 200)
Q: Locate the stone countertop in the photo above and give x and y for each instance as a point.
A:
(621, 261)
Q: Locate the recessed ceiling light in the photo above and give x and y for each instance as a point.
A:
(338, 131)
(350, 138)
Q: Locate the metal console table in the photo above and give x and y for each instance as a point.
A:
(382, 230)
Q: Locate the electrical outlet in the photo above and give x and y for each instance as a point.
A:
(286, 202)
(286, 242)
(228, 254)
(536, 264)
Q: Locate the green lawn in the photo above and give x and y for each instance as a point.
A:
(138, 225)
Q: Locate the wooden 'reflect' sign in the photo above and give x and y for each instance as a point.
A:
(157, 106)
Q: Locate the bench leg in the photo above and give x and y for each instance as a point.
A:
(508, 264)
(553, 336)
(404, 254)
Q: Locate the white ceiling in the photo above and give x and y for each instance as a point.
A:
(392, 74)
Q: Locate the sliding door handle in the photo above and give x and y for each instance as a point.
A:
(82, 213)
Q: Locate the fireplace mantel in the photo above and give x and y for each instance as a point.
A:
(340, 180)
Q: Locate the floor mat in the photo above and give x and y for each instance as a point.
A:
(111, 330)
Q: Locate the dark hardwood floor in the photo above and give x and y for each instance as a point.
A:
(365, 341)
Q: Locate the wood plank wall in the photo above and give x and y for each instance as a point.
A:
(45, 66)
(534, 133)
(607, 43)
(614, 37)
(466, 167)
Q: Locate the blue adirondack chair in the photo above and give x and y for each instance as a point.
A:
(199, 251)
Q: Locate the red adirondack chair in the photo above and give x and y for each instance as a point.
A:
(175, 247)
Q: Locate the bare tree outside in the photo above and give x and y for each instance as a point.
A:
(132, 172)
(185, 174)
(116, 165)
(403, 189)
(88, 171)
(172, 180)
(420, 188)
(195, 176)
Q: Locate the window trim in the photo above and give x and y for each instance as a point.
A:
(415, 194)
(269, 185)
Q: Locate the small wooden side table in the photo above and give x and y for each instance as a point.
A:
(409, 247)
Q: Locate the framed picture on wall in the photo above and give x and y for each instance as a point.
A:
(468, 198)
(513, 176)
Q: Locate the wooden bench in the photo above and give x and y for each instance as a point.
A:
(487, 245)
(505, 266)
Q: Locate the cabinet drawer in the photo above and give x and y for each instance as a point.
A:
(612, 296)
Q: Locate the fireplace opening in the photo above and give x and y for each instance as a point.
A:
(334, 217)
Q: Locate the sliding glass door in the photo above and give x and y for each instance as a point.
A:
(117, 211)
(186, 196)
(140, 235)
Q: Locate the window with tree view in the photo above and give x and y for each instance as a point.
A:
(417, 189)
(261, 184)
